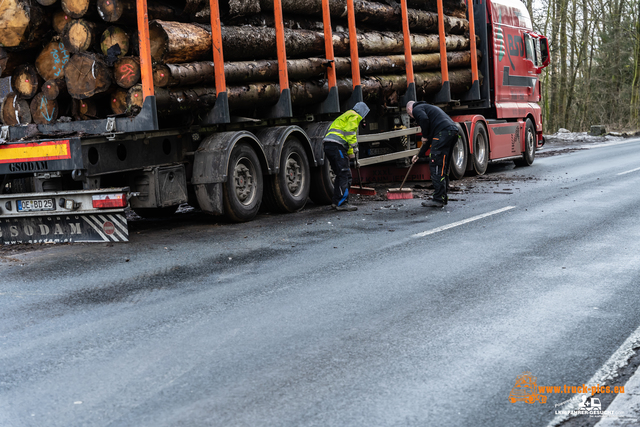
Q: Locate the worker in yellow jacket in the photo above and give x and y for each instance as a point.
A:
(339, 145)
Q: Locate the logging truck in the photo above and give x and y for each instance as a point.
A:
(230, 118)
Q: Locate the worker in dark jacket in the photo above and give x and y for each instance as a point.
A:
(339, 145)
(439, 133)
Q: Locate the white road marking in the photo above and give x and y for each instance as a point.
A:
(464, 221)
(632, 170)
(605, 374)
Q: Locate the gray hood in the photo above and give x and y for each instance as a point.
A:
(361, 108)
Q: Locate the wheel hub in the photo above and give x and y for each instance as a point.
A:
(244, 182)
(293, 174)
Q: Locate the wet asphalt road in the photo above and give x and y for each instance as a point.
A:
(326, 319)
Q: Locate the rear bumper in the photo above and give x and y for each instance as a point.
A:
(72, 219)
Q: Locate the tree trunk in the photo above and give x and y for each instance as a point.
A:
(126, 71)
(53, 88)
(15, 111)
(256, 95)
(86, 74)
(80, 35)
(25, 81)
(78, 8)
(23, 23)
(174, 42)
(52, 59)
(44, 111)
(125, 11)
(114, 42)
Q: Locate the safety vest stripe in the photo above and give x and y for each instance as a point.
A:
(341, 132)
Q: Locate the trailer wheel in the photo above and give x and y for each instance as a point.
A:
(322, 179)
(288, 190)
(529, 146)
(459, 157)
(480, 149)
(242, 193)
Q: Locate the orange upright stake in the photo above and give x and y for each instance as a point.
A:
(472, 42)
(220, 111)
(146, 69)
(410, 95)
(280, 46)
(356, 96)
(216, 38)
(445, 93)
(283, 107)
(332, 102)
(328, 43)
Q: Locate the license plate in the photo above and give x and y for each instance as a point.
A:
(36, 205)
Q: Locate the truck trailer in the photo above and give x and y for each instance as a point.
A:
(72, 180)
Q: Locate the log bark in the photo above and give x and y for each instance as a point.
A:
(44, 111)
(457, 8)
(80, 35)
(125, 11)
(126, 72)
(119, 101)
(179, 43)
(86, 74)
(53, 88)
(78, 8)
(114, 42)
(25, 81)
(23, 23)
(15, 111)
(52, 59)
(385, 88)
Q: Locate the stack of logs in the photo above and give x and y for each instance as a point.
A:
(77, 59)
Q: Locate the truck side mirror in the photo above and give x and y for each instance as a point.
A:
(544, 51)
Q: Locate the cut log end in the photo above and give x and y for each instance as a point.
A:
(86, 75)
(25, 81)
(15, 111)
(126, 72)
(76, 8)
(119, 101)
(44, 111)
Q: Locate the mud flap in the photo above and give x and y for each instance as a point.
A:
(102, 227)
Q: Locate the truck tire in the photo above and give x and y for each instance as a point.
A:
(22, 185)
(529, 153)
(242, 193)
(480, 149)
(322, 179)
(288, 190)
(459, 157)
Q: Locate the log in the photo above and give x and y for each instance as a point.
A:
(23, 23)
(85, 109)
(52, 59)
(25, 81)
(174, 42)
(79, 35)
(15, 111)
(125, 11)
(178, 42)
(44, 111)
(47, 2)
(119, 101)
(59, 21)
(456, 8)
(53, 88)
(162, 74)
(256, 95)
(114, 42)
(126, 71)
(10, 60)
(86, 74)
(78, 8)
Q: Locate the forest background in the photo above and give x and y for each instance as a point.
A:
(594, 74)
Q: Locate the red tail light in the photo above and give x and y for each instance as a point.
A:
(104, 201)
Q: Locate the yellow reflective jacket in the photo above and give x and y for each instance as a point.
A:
(343, 130)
